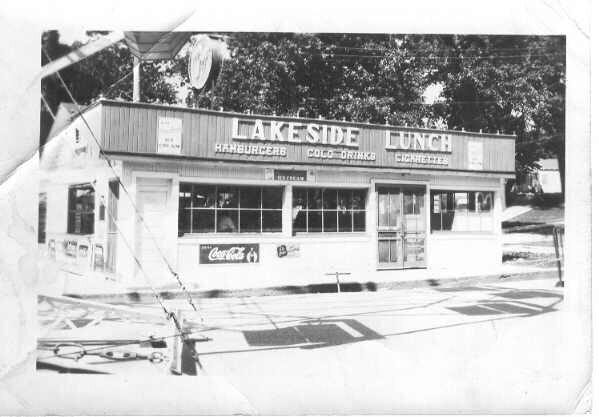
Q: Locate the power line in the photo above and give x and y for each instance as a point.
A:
(450, 57)
(138, 215)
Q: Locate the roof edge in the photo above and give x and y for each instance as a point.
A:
(293, 118)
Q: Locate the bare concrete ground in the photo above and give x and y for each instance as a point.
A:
(481, 347)
(477, 349)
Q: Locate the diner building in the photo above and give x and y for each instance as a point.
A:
(235, 200)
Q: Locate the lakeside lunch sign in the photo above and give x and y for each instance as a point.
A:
(341, 142)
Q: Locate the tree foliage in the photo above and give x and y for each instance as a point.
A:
(357, 77)
(511, 84)
(107, 73)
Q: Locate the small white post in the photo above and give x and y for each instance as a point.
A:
(136, 79)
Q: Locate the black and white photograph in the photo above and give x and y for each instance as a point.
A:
(298, 219)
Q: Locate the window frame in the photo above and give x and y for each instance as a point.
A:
(70, 211)
(322, 210)
(42, 217)
(469, 212)
(239, 211)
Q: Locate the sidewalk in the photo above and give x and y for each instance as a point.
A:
(145, 294)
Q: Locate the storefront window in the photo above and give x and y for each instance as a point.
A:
(318, 210)
(462, 211)
(229, 209)
(80, 220)
(41, 218)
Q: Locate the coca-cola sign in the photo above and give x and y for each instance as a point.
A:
(227, 253)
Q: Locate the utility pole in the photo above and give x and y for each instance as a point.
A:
(136, 79)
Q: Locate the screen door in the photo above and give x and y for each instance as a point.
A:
(401, 226)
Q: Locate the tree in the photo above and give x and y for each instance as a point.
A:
(363, 78)
(512, 84)
(107, 73)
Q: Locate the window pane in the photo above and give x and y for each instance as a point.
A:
(227, 221)
(394, 209)
(383, 209)
(249, 197)
(330, 221)
(435, 221)
(358, 200)
(202, 221)
(314, 198)
(272, 197)
(461, 201)
(227, 197)
(299, 197)
(418, 208)
(41, 218)
(272, 221)
(184, 221)
(330, 199)
(87, 223)
(408, 203)
(299, 221)
(250, 221)
(472, 202)
(185, 196)
(80, 218)
(486, 201)
(314, 221)
(345, 221)
(467, 211)
(345, 201)
(447, 220)
(359, 221)
(393, 250)
(203, 196)
(384, 251)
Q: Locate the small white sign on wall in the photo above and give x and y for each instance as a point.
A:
(475, 155)
(169, 135)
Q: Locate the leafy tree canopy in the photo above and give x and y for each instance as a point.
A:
(511, 84)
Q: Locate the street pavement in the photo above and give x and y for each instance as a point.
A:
(497, 347)
(487, 348)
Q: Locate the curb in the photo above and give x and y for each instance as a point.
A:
(145, 296)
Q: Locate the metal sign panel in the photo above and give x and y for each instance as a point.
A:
(227, 253)
(223, 136)
(169, 135)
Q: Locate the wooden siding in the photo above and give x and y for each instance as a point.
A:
(132, 128)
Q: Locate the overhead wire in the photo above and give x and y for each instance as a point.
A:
(122, 185)
(135, 258)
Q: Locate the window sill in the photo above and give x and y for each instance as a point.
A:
(473, 235)
(383, 267)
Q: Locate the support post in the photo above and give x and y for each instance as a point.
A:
(558, 245)
(136, 79)
(337, 277)
(184, 361)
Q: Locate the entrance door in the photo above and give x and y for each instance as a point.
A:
(152, 195)
(113, 216)
(401, 227)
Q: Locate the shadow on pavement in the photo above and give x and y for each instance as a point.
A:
(313, 334)
(494, 306)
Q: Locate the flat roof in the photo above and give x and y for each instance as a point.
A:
(292, 118)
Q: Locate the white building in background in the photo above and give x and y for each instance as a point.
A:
(548, 176)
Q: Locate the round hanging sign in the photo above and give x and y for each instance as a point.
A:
(200, 63)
